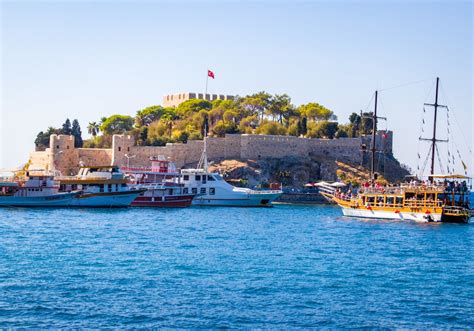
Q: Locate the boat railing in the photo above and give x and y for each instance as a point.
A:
(456, 210)
(266, 192)
(7, 179)
(99, 178)
(423, 203)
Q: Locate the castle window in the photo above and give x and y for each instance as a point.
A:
(119, 149)
(67, 147)
(128, 149)
(57, 146)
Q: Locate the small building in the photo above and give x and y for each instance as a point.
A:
(173, 100)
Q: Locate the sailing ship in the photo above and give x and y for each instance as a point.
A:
(37, 189)
(162, 185)
(100, 186)
(211, 189)
(441, 198)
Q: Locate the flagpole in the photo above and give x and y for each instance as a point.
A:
(207, 79)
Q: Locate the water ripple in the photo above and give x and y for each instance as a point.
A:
(285, 267)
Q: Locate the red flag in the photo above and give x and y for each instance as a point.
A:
(210, 74)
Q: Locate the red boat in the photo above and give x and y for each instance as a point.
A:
(162, 183)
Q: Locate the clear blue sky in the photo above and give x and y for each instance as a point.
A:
(90, 59)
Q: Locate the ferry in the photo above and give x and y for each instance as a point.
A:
(441, 198)
(162, 185)
(101, 186)
(212, 190)
(38, 189)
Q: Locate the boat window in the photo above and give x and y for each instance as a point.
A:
(212, 191)
(203, 190)
(210, 178)
(380, 201)
(185, 190)
(101, 187)
(124, 185)
(399, 200)
(198, 177)
(204, 179)
(170, 191)
(390, 201)
(370, 200)
(109, 187)
(186, 177)
(194, 190)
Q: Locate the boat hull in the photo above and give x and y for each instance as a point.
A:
(57, 200)
(178, 201)
(391, 215)
(105, 199)
(245, 200)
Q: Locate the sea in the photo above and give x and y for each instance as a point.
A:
(284, 267)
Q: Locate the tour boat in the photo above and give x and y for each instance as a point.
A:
(162, 185)
(101, 186)
(441, 198)
(39, 189)
(446, 199)
(212, 190)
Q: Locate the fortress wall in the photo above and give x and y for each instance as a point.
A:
(63, 156)
(95, 156)
(39, 159)
(266, 146)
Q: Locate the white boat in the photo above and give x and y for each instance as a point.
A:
(212, 190)
(101, 186)
(38, 189)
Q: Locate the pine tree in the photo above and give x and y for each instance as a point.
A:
(77, 133)
(66, 129)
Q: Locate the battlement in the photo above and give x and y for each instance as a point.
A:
(173, 100)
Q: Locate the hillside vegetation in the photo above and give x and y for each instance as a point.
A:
(259, 113)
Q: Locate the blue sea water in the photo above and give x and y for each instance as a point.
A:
(288, 266)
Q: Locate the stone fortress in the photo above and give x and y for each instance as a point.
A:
(61, 154)
(173, 100)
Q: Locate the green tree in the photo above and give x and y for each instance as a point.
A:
(117, 124)
(66, 127)
(279, 107)
(192, 106)
(271, 128)
(42, 138)
(323, 129)
(77, 133)
(256, 103)
(148, 115)
(93, 128)
(316, 112)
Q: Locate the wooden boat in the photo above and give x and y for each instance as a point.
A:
(441, 198)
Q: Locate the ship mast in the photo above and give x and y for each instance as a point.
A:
(373, 149)
(203, 162)
(433, 140)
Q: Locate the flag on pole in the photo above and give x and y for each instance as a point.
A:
(210, 74)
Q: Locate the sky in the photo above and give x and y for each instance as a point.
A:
(86, 60)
